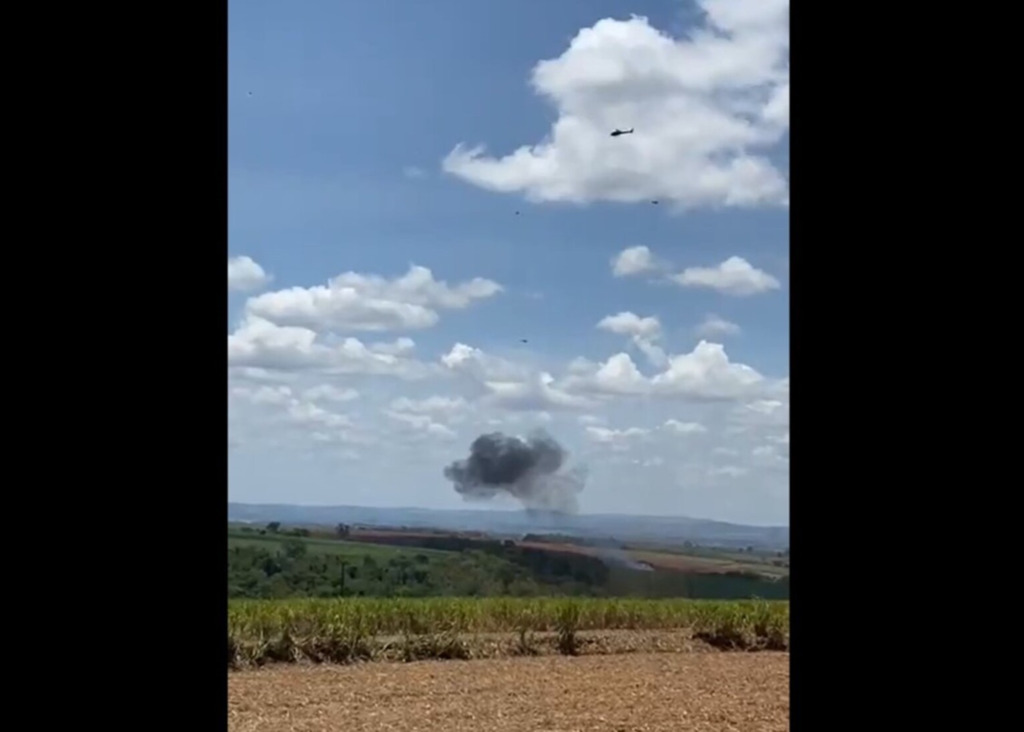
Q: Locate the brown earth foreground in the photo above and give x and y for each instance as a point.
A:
(626, 693)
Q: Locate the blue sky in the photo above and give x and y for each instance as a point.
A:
(352, 129)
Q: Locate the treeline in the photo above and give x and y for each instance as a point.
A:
(290, 569)
(547, 566)
(293, 571)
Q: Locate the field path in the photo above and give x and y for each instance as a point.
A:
(723, 692)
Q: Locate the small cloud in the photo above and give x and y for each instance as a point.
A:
(684, 428)
(729, 471)
(245, 275)
(628, 323)
(411, 171)
(715, 326)
(632, 261)
(606, 436)
(735, 276)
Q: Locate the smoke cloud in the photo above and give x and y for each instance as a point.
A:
(529, 469)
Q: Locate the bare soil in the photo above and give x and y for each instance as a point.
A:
(720, 692)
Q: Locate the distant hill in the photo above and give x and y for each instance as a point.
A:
(623, 528)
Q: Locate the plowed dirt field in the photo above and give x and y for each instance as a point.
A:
(660, 692)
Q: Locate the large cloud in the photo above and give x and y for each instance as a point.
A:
(706, 108)
(687, 436)
(361, 302)
(695, 421)
(504, 384)
(260, 344)
(706, 373)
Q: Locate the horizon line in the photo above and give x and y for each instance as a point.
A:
(660, 517)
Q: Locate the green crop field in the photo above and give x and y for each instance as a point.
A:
(349, 629)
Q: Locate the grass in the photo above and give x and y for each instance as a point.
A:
(352, 629)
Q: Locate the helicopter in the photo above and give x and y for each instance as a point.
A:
(618, 132)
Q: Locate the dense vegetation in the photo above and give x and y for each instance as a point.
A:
(336, 597)
(350, 629)
(257, 572)
(290, 563)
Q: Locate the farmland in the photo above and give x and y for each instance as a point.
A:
(558, 635)
(670, 558)
(661, 692)
(307, 595)
(278, 562)
(354, 629)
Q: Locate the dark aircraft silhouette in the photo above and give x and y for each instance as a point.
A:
(524, 340)
(655, 203)
(622, 132)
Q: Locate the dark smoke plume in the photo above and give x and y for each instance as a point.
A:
(530, 470)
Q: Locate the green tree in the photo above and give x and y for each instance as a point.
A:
(294, 548)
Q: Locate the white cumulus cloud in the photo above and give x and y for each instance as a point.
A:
(260, 344)
(535, 393)
(735, 276)
(707, 110)
(631, 324)
(361, 302)
(706, 373)
(633, 261)
(644, 332)
(706, 430)
(246, 275)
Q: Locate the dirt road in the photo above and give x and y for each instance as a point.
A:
(627, 693)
